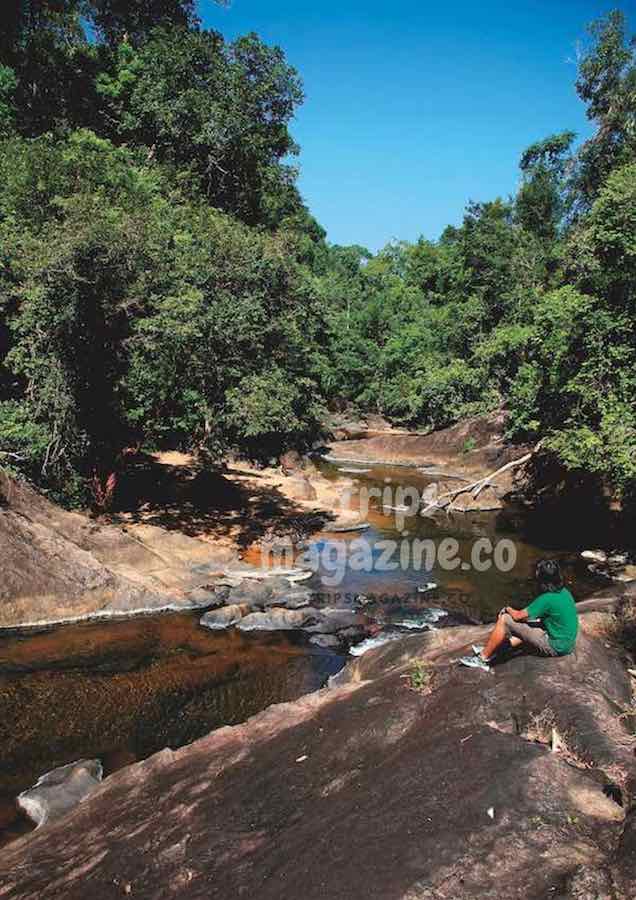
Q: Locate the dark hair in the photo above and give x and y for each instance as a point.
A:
(548, 574)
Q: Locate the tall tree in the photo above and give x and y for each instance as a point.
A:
(540, 203)
(133, 20)
(607, 84)
(219, 111)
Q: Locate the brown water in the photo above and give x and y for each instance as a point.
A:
(479, 595)
(119, 691)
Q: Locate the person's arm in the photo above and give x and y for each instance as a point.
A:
(519, 615)
(537, 609)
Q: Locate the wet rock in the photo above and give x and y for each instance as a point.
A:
(618, 559)
(354, 634)
(278, 620)
(598, 556)
(290, 599)
(61, 790)
(617, 565)
(253, 593)
(278, 591)
(201, 598)
(343, 527)
(331, 621)
(326, 641)
(225, 617)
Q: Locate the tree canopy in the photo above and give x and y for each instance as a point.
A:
(162, 282)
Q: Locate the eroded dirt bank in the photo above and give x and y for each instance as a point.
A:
(370, 789)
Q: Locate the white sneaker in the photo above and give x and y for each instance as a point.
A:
(475, 662)
(478, 649)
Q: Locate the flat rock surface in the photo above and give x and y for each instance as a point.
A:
(59, 565)
(369, 790)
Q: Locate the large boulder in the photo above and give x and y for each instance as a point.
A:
(61, 790)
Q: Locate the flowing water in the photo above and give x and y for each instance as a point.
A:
(120, 691)
(466, 587)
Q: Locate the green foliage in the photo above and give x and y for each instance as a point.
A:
(420, 677)
(136, 314)
(541, 201)
(225, 309)
(8, 85)
(266, 411)
(161, 279)
(602, 251)
(607, 85)
(435, 397)
(132, 20)
(218, 112)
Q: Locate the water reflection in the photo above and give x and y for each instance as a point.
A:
(121, 691)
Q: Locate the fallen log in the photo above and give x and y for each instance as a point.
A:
(445, 501)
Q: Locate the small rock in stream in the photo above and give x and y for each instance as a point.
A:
(598, 556)
(326, 641)
(331, 621)
(291, 599)
(60, 790)
(277, 619)
(218, 619)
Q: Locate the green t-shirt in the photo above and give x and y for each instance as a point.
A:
(558, 615)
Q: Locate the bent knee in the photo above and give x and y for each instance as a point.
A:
(507, 621)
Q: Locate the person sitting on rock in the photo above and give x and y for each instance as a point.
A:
(557, 621)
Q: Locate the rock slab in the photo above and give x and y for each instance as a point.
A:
(370, 791)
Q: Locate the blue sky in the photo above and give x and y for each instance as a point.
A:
(414, 108)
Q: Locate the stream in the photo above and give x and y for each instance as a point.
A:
(122, 690)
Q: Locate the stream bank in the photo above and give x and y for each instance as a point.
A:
(132, 687)
(381, 786)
